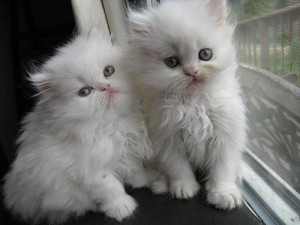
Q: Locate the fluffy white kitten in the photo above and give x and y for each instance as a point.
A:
(183, 57)
(83, 140)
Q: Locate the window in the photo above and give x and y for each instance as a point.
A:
(267, 41)
(271, 42)
(267, 37)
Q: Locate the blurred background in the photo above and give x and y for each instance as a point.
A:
(30, 30)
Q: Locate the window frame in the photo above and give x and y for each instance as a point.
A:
(272, 199)
(105, 14)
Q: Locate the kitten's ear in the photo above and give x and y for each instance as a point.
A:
(219, 9)
(140, 24)
(42, 82)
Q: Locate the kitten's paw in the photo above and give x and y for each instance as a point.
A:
(159, 186)
(184, 189)
(120, 208)
(139, 180)
(225, 199)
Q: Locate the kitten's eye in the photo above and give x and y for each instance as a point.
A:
(83, 92)
(172, 62)
(108, 71)
(205, 54)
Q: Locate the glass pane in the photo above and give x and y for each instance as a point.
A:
(137, 3)
(268, 43)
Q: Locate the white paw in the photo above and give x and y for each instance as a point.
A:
(225, 199)
(139, 180)
(159, 186)
(184, 189)
(120, 208)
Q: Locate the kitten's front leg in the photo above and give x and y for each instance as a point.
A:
(223, 174)
(182, 181)
(146, 177)
(110, 195)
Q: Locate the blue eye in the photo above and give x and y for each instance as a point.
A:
(83, 92)
(205, 54)
(108, 71)
(172, 62)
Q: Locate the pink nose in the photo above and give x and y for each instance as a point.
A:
(190, 71)
(106, 88)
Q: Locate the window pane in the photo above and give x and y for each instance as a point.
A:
(137, 3)
(268, 37)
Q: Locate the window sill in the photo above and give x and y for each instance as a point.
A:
(275, 201)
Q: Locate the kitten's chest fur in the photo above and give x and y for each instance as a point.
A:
(115, 138)
(194, 122)
(191, 121)
(101, 143)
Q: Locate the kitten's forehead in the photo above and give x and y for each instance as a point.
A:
(184, 28)
(84, 58)
(197, 26)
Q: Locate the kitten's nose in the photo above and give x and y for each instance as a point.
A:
(106, 88)
(191, 71)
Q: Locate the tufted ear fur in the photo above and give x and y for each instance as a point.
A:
(139, 23)
(42, 82)
(219, 9)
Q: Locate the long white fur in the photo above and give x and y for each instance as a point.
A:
(191, 125)
(75, 153)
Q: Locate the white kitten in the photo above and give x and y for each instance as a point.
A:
(183, 58)
(85, 137)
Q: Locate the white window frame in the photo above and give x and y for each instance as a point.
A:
(273, 200)
(89, 13)
(107, 15)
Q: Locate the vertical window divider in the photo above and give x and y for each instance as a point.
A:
(90, 13)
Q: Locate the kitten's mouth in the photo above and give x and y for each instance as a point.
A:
(109, 91)
(111, 94)
(196, 80)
